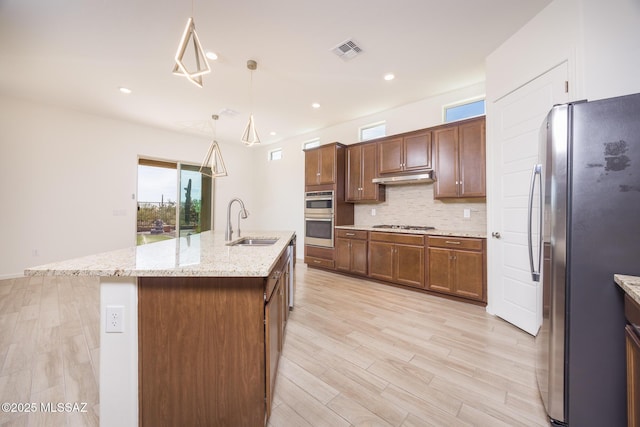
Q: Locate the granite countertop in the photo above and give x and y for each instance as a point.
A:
(630, 284)
(438, 232)
(205, 254)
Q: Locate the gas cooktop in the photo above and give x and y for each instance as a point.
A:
(404, 227)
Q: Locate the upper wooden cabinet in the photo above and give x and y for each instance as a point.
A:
(408, 153)
(459, 160)
(361, 169)
(320, 165)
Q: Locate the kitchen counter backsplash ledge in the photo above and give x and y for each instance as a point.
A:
(436, 232)
(630, 284)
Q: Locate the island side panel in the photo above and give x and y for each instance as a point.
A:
(201, 351)
(119, 354)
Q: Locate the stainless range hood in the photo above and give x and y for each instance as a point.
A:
(425, 177)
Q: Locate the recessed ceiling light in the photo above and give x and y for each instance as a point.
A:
(228, 112)
(124, 90)
(389, 77)
(211, 55)
(272, 133)
(315, 105)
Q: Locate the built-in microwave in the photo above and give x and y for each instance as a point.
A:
(318, 203)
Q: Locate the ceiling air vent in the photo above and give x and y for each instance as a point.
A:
(347, 50)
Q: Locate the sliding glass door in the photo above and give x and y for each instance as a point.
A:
(174, 199)
(195, 201)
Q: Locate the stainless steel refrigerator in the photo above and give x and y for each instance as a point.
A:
(584, 226)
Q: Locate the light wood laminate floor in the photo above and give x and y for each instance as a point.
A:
(356, 353)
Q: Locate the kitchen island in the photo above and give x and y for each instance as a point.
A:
(191, 328)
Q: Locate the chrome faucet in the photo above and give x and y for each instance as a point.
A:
(228, 234)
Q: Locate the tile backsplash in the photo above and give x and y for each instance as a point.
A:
(414, 205)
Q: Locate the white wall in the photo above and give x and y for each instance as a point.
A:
(599, 40)
(549, 39)
(67, 180)
(612, 47)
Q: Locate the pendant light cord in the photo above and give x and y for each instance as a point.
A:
(251, 92)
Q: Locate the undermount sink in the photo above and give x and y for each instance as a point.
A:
(253, 241)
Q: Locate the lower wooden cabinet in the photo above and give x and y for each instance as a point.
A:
(208, 348)
(447, 265)
(397, 258)
(273, 328)
(315, 256)
(351, 251)
(632, 332)
(456, 266)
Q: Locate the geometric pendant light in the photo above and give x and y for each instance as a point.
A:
(213, 164)
(250, 135)
(201, 64)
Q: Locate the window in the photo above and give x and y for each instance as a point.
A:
(275, 154)
(374, 130)
(311, 144)
(463, 111)
(174, 200)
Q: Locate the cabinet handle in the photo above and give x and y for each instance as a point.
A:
(317, 262)
(451, 243)
(350, 234)
(318, 174)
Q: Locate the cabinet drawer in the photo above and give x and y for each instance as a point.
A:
(319, 262)
(455, 243)
(275, 275)
(351, 234)
(407, 239)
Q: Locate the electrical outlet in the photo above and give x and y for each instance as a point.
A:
(115, 319)
(467, 213)
(373, 212)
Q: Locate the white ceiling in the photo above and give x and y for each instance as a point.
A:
(76, 53)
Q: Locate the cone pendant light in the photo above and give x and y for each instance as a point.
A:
(250, 135)
(213, 164)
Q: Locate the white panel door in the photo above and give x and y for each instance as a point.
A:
(514, 296)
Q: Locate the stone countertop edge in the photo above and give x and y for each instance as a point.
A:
(199, 255)
(630, 284)
(434, 232)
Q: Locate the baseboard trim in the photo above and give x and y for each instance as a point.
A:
(11, 276)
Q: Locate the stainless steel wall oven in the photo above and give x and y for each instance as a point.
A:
(319, 218)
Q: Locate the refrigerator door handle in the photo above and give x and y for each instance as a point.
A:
(537, 171)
